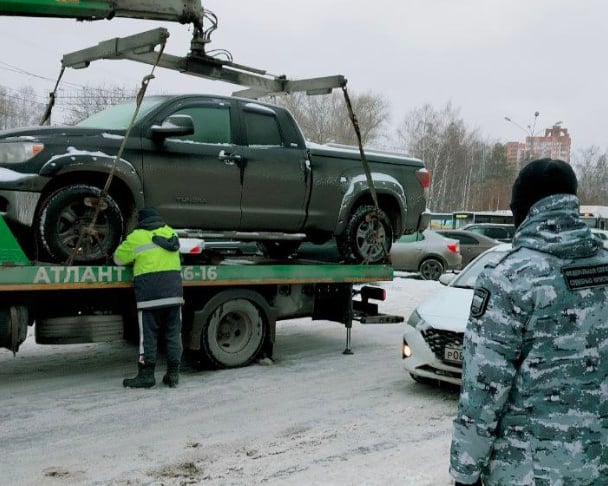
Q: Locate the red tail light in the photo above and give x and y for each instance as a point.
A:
(196, 250)
(424, 178)
(454, 247)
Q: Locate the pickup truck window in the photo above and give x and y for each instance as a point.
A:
(211, 124)
(262, 129)
(118, 117)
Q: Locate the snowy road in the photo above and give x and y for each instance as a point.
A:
(314, 417)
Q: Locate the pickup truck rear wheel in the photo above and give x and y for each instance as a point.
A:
(64, 220)
(366, 241)
(234, 330)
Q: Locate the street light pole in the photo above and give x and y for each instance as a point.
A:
(529, 132)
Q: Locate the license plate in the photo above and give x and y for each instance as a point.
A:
(453, 354)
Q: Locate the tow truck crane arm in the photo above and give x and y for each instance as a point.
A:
(140, 48)
(183, 11)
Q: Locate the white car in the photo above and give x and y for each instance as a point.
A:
(432, 341)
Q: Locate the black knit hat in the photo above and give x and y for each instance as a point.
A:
(539, 179)
(149, 215)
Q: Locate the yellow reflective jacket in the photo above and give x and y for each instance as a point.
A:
(154, 254)
(147, 256)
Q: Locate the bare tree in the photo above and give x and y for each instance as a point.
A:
(438, 137)
(467, 172)
(591, 166)
(89, 100)
(19, 108)
(325, 118)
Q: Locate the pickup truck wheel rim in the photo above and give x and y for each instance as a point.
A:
(64, 221)
(371, 242)
(73, 220)
(368, 236)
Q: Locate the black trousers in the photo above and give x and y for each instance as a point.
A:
(162, 323)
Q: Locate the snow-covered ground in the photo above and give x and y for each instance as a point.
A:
(314, 417)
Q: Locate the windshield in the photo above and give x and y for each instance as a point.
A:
(467, 278)
(118, 117)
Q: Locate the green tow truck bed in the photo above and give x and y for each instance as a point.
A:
(230, 309)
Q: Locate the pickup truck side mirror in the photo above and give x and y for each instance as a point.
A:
(174, 126)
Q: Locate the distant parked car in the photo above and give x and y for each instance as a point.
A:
(500, 232)
(426, 252)
(432, 341)
(602, 235)
(471, 244)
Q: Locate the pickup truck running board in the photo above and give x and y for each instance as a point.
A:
(241, 235)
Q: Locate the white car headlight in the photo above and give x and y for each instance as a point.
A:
(18, 152)
(414, 319)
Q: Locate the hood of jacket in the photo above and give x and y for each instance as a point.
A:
(554, 226)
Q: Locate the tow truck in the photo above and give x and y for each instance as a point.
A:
(231, 307)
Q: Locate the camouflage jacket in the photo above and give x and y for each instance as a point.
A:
(533, 407)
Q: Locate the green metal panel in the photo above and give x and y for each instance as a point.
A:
(40, 277)
(10, 250)
(83, 9)
(16, 273)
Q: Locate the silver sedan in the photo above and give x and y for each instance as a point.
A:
(428, 253)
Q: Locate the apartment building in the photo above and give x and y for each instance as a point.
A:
(555, 144)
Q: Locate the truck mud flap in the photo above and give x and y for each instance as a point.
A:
(366, 312)
(333, 302)
(13, 327)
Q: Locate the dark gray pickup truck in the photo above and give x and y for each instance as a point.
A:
(226, 166)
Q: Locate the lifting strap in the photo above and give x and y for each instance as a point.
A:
(375, 218)
(90, 229)
(46, 117)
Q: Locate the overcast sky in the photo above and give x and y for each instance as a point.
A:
(490, 58)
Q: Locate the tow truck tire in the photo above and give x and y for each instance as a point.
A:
(69, 209)
(358, 245)
(279, 249)
(234, 329)
(431, 269)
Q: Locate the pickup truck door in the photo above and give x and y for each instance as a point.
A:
(187, 178)
(276, 174)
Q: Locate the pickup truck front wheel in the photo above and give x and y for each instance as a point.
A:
(64, 228)
(368, 238)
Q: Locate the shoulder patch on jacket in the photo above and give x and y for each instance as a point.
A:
(585, 276)
(479, 303)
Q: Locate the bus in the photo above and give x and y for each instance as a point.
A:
(595, 216)
(458, 219)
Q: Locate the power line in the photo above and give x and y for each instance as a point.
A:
(19, 95)
(18, 70)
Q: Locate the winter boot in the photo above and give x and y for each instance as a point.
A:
(171, 377)
(144, 379)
